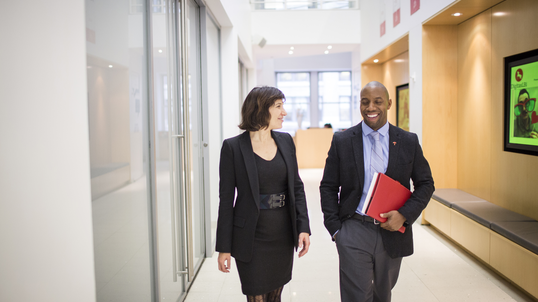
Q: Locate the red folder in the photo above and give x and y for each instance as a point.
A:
(385, 195)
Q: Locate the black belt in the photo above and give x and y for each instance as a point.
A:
(272, 201)
(364, 218)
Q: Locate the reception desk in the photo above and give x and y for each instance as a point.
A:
(312, 147)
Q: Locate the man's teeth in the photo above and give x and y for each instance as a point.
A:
(372, 115)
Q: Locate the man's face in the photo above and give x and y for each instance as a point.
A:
(374, 106)
(524, 116)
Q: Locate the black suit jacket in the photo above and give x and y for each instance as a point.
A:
(238, 215)
(343, 181)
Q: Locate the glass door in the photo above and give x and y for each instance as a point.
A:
(118, 90)
(169, 154)
(178, 145)
(193, 97)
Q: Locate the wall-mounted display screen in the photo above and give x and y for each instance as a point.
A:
(521, 110)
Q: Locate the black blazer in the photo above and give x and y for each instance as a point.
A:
(343, 181)
(238, 215)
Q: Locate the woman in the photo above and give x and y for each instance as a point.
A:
(268, 218)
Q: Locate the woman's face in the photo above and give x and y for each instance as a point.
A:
(277, 115)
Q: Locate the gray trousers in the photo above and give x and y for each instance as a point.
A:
(367, 273)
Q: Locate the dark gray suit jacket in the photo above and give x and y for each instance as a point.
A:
(238, 216)
(343, 181)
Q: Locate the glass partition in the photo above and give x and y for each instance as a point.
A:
(118, 109)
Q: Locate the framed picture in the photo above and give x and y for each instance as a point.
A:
(520, 109)
(402, 106)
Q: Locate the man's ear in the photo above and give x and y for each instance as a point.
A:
(389, 104)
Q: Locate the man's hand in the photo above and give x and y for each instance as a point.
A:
(533, 134)
(224, 262)
(394, 222)
(304, 243)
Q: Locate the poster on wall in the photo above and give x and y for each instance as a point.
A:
(402, 106)
(382, 26)
(520, 94)
(415, 6)
(395, 12)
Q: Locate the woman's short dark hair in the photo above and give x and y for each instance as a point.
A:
(255, 111)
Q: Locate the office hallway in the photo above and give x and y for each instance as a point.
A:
(437, 271)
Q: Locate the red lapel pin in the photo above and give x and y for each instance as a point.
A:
(394, 143)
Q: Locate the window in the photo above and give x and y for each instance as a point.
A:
(331, 103)
(303, 4)
(296, 88)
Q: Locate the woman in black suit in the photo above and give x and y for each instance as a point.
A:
(262, 210)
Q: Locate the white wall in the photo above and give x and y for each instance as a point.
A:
(308, 27)
(234, 17)
(372, 12)
(46, 251)
(371, 16)
(230, 82)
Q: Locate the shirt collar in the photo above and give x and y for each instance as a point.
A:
(383, 130)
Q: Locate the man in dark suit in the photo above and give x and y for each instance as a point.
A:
(371, 252)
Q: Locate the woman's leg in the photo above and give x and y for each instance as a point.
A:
(275, 295)
(258, 298)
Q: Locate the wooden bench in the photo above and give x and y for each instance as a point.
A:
(504, 240)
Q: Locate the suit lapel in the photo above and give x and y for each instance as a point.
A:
(394, 147)
(250, 163)
(356, 142)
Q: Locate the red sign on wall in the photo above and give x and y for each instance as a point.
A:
(383, 29)
(415, 6)
(396, 18)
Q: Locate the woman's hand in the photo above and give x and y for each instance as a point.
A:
(224, 262)
(304, 244)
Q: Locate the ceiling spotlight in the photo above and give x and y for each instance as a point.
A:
(290, 52)
(499, 14)
(110, 66)
(292, 48)
(160, 50)
(329, 47)
(456, 14)
(326, 52)
(376, 60)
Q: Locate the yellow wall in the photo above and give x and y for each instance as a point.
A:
(439, 102)
(505, 178)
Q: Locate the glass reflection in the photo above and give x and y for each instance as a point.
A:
(117, 103)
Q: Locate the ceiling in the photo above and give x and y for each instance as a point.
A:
(468, 9)
(282, 51)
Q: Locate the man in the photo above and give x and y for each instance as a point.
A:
(371, 253)
(524, 126)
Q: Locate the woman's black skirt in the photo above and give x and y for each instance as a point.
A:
(272, 255)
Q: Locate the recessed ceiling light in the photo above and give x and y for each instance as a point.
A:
(292, 48)
(456, 14)
(290, 52)
(110, 66)
(329, 47)
(376, 60)
(160, 50)
(499, 14)
(326, 52)
(399, 60)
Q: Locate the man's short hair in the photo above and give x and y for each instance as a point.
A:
(255, 111)
(523, 91)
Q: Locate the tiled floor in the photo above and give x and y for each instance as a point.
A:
(438, 270)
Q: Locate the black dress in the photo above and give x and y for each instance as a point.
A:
(272, 257)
